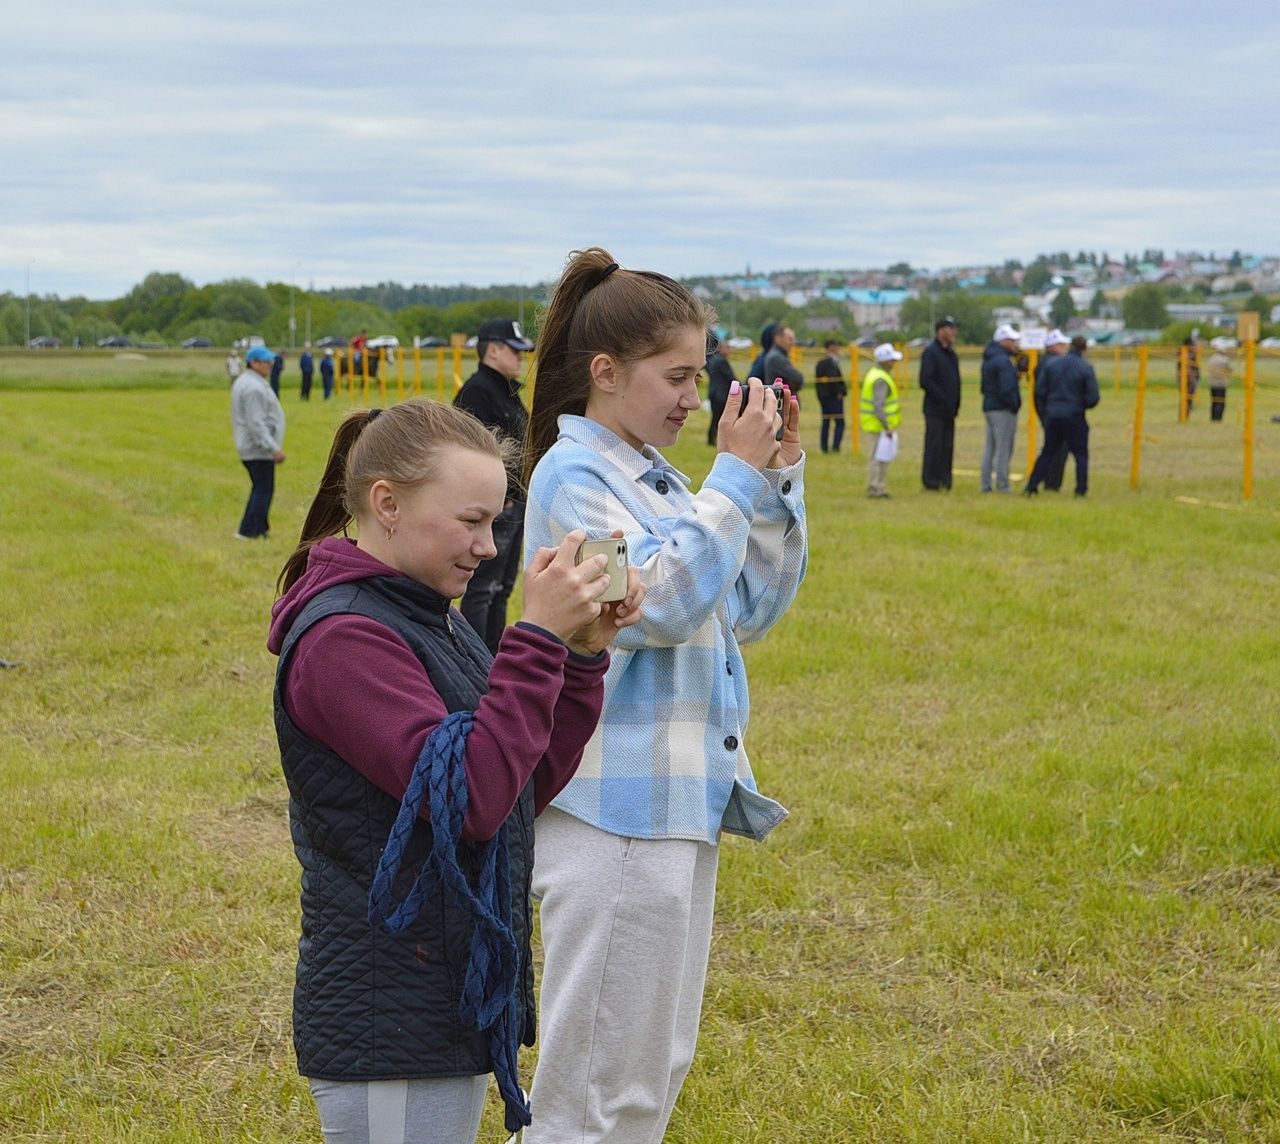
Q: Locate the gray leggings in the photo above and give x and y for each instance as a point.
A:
(443, 1110)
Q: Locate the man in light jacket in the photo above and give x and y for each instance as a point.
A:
(257, 425)
(1001, 400)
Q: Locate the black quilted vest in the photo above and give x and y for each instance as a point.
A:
(367, 1004)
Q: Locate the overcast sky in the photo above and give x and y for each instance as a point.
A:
(338, 144)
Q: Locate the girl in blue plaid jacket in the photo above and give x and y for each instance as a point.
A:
(626, 855)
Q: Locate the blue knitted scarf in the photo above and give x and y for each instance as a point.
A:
(489, 992)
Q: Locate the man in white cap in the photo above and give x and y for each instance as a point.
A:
(879, 413)
(1001, 400)
(1055, 345)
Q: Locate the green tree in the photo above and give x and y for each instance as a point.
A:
(972, 313)
(1062, 309)
(1036, 277)
(1259, 304)
(153, 303)
(1097, 303)
(1143, 308)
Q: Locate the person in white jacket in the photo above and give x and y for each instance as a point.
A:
(257, 424)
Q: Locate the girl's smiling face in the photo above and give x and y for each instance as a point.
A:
(648, 401)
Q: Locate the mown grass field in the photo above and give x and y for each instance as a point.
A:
(1029, 890)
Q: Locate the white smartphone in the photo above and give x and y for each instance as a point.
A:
(615, 548)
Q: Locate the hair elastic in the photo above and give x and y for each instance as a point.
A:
(603, 275)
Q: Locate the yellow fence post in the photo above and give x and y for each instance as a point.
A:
(440, 373)
(1033, 356)
(1183, 359)
(1137, 417)
(1250, 367)
(855, 398)
(364, 373)
(400, 377)
(458, 341)
(417, 368)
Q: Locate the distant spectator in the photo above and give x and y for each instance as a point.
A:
(778, 364)
(1001, 400)
(307, 366)
(766, 344)
(234, 366)
(1069, 388)
(831, 390)
(880, 413)
(1189, 357)
(719, 378)
(257, 425)
(940, 383)
(1055, 345)
(326, 373)
(492, 396)
(277, 368)
(1219, 379)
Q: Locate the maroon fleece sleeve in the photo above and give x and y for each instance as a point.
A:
(355, 687)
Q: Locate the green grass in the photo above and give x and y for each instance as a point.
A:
(1027, 892)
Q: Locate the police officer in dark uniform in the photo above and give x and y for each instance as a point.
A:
(492, 396)
(940, 383)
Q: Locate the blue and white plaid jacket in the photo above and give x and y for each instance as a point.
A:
(720, 567)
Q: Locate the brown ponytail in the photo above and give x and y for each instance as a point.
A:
(597, 308)
(401, 445)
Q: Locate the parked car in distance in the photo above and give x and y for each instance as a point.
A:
(740, 343)
(247, 343)
(196, 343)
(383, 342)
(1270, 344)
(45, 342)
(432, 343)
(330, 343)
(115, 342)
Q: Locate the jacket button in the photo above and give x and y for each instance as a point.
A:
(786, 487)
(662, 487)
(729, 668)
(731, 743)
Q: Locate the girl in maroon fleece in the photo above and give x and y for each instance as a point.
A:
(423, 483)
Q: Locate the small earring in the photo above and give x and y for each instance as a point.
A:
(391, 532)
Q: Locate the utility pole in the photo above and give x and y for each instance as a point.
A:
(293, 320)
(26, 341)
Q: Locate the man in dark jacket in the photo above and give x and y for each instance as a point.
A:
(766, 344)
(1001, 400)
(492, 395)
(719, 378)
(940, 383)
(1055, 345)
(830, 387)
(1070, 387)
(277, 368)
(778, 365)
(307, 365)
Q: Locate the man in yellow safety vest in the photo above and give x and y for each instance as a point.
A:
(879, 414)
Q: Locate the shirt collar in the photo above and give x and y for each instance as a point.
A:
(608, 444)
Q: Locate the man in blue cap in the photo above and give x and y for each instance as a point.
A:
(257, 425)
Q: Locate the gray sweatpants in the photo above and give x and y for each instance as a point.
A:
(443, 1110)
(626, 927)
(1002, 426)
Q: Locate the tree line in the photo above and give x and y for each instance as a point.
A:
(167, 308)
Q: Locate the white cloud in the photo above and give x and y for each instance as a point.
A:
(482, 142)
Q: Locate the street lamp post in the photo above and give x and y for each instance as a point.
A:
(26, 341)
